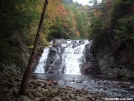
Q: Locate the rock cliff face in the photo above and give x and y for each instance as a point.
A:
(54, 58)
(115, 55)
(90, 66)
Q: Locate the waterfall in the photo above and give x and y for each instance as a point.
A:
(64, 58)
(72, 57)
(42, 62)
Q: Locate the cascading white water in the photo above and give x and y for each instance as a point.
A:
(42, 62)
(72, 57)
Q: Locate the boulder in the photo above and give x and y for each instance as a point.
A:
(24, 98)
(89, 68)
(57, 42)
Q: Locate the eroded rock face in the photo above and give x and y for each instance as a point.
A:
(53, 60)
(115, 55)
(58, 42)
(89, 53)
(90, 68)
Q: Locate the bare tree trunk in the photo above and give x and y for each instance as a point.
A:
(26, 76)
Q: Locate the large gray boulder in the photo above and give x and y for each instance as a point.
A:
(57, 42)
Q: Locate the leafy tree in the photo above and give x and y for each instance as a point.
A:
(58, 33)
(99, 18)
(95, 30)
(16, 16)
(96, 21)
(122, 17)
(76, 22)
(82, 23)
(69, 22)
(54, 19)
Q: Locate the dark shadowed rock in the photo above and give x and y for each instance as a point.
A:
(89, 68)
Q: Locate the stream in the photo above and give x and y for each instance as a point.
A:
(95, 84)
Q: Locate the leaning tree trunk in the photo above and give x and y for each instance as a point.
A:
(26, 76)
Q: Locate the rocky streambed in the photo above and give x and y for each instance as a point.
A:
(49, 90)
(83, 87)
(54, 87)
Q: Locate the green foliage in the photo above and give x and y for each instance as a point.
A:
(9, 53)
(16, 17)
(70, 20)
(17, 14)
(126, 27)
(120, 8)
(58, 32)
(98, 19)
(95, 30)
(122, 17)
(76, 21)
(82, 23)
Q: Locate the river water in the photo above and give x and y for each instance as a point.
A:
(95, 84)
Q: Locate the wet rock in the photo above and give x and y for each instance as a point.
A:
(63, 97)
(30, 95)
(56, 99)
(79, 81)
(45, 91)
(55, 82)
(37, 93)
(89, 96)
(41, 84)
(125, 86)
(89, 68)
(89, 56)
(24, 98)
(55, 91)
(49, 88)
(57, 42)
(72, 96)
(78, 98)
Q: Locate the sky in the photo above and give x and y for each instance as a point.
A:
(84, 2)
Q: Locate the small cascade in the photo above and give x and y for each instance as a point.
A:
(42, 62)
(72, 57)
